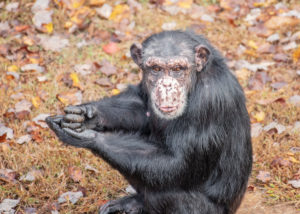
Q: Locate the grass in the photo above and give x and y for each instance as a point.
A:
(54, 160)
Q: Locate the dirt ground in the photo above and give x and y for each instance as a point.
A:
(73, 51)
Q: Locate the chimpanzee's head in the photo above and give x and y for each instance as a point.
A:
(170, 61)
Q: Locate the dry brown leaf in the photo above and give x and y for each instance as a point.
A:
(8, 175)
(105, 82)
(281, 162)
(263, 176)
(277, 22)
(75, 173)
(70, 97)
(107, 68)
(296, 54)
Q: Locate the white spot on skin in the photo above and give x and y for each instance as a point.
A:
(168, 98)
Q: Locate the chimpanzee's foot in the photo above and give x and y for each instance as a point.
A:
(129, 205)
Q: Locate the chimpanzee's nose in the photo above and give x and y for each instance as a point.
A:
(167, 82)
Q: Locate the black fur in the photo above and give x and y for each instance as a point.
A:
(197, 163)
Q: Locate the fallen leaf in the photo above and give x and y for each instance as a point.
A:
(107, 68)
(24, 139)
(295, 100)
(4, 49)
(40, 120)
(42, 21)
(169, 25)
(13, 6)
(253, 67)
(75, 80)
(8, 132)
(273, 38)
(294, 160)
(83, 69)
(296, 126)
(12, 76)
(30, 210)
(268, 101)
(104, 11)
(8, 175)
(278, 85)
(295, 183)
(119, 12)
(31, 175)
(260, 30)
(276, 126)
(90, 168)
(281, 57)
(258, 80)
(277, 22)
(33, 67)
(75, 173)
(42, 78)
(36, 101)
(186, 4)
(279, 161)
(53, 43)
(23, 105)
(96, 2)
(73, 197)
(70, 97)
(111, 48)
(7, 205)
(115, 91)
(40, 5)
(296, 54)
(260, 116)
(252, 44)
(290, 46)
(263, 176)
(13, 68)
(105, 82)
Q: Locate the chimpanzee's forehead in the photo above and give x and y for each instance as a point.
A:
(168, 47)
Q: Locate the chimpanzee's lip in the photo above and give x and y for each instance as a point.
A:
(168, 109)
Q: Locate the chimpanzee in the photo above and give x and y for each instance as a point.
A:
(181, 137)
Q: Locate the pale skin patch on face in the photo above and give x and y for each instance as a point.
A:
(168, 98)
(169, 80)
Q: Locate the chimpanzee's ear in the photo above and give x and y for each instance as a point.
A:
(136, 54)
(202, 54)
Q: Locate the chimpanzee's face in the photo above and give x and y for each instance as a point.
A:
(170, 63)
(168, 82)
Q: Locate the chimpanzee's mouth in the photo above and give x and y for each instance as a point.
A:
(168, 109)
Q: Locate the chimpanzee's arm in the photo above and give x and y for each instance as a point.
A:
(132, 155)
(125, 111)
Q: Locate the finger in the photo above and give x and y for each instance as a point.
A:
(81, 129)
(87, 134)
(73, 110)
(90, 111)
(70, 125)
(75, 118)
(51, 120)
(54, 119)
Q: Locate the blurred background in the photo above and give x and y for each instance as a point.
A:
(55, 53)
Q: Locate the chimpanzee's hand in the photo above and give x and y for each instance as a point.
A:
(81, 117)
(83, 139)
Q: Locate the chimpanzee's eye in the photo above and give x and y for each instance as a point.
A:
(178, 68)
(156, 68)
